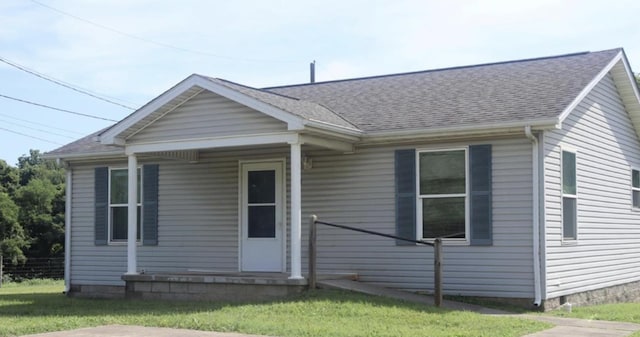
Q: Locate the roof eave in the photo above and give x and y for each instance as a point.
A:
(469, 131)
(84, 156)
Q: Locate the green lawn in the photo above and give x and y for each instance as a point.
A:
(621, 312)
(41, 307)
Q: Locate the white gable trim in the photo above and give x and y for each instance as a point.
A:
(111, 136)
(588, 88)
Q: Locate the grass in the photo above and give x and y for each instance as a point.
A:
(41, 307)
(619, 312)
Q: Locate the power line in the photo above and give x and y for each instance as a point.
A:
(40, 130)
(30, 136)
(61, 83)
(40, 124)
(157, 43)
(57, 109)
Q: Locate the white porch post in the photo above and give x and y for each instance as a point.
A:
(133, 215)
(296, 212)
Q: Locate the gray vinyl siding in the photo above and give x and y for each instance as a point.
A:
(606, 252)
(197, 219)
(358, 190)
(198, 222)
(208, 115)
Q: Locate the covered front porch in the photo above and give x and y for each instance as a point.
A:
(224, 164)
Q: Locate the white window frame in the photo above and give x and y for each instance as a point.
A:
(139, 205)
(420, 197)
(563, 195)
(634, 189)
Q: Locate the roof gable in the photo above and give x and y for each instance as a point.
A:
(207, 115)
(295, 113)
(626, 86)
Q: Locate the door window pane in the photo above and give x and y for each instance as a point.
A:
(262, 187)
(262, 221)
(442, 172)
(443, 217)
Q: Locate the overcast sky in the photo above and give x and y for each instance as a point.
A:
(130, 51)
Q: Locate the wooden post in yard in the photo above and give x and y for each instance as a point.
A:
(437, 272)
(312, 252)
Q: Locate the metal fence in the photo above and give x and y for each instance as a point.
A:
(34, 268)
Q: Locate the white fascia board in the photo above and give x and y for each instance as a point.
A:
(631, 77)
(332, 127)
(110, 136)
(212, 142)
(85, 156)
(457, 131)
(331, 144)
(294, 122)
(588, 88)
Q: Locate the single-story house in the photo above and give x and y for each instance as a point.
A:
(529, 169)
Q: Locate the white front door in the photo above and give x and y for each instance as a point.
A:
(261, 217)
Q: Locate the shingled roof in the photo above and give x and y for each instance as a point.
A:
(498, 93)
(531, 89)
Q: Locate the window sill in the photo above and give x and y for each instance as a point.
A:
(122, 243)
(569, 242)
(450, 242)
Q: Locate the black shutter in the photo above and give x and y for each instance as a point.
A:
(480, 198)
(405, 179)
(150, 205)
(101, 195)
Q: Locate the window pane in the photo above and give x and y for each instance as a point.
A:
(636, 178)
(443, 217)
(262, 221)
(119, 223)
(442, 172)
(569, 218)
(262, 187)
(119, 187)
(636, 198)
(568, 172)
(119, 220)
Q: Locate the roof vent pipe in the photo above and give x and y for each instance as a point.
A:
(312, 69)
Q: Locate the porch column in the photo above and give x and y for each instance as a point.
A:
(132, 220)
(296, 212)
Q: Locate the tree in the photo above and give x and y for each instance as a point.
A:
(12, 237)
(42, 199)
(8, 178)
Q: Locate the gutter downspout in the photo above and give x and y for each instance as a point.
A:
(536, 215)
(67, 232)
